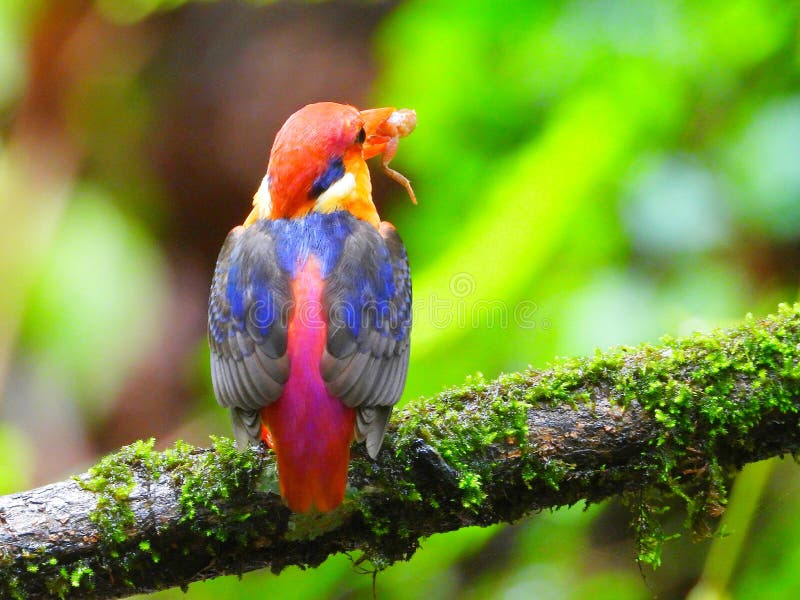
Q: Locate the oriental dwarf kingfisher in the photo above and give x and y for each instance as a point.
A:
(310, 308)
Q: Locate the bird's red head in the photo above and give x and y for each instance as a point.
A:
(318, 159)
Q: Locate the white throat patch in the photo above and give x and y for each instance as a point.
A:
(262, 200)
(329, 200)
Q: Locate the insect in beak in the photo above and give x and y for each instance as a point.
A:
(384, 127)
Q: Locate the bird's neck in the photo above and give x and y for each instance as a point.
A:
(352, 193)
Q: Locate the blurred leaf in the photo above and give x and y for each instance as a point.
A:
(676, 206)
(767, 570)
(764, 161)
(95, 304)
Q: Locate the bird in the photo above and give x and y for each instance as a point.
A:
(309, 312)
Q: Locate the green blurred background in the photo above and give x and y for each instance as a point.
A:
(589, 173)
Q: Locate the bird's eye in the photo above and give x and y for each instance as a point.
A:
(333, 173)
(362, 135)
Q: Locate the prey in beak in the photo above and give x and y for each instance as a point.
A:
(384, 127)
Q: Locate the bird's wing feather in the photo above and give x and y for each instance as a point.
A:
(368, 297)
(247, 328)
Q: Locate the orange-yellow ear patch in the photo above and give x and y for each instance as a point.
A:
(352, 192)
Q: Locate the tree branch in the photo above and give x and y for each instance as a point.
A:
(650, 423)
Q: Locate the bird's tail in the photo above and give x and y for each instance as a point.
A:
(312, 469)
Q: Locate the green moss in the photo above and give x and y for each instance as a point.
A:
(703, 389)
(691, 387)
(64, 582)
(215, 477)
(705, 392)
(469, 483)
(112, 479)
(145, 546)
(650, 534)
(219, 474)
(462, 431)
(12, 588)
(81, 574)
(206, 478)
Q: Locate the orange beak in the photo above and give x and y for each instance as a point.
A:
(374, 121)
(384, 128)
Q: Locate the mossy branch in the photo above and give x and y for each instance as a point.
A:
(650, 423)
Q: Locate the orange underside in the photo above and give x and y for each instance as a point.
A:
(309, 430)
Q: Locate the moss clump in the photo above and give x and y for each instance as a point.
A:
(145, 546)
(57, 581)
(648, 509)
(207, 479)
(11, 588)
(463, 432)
(213, 478)
(706, 392)
(112, 479)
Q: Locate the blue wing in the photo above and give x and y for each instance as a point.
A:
(368, 297)
(368, 303)
(248, 313)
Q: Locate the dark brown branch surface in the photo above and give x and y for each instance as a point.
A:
(650, 423)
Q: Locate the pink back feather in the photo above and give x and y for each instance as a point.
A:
(310, 430)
